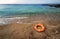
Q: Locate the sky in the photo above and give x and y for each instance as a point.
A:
(29, 1)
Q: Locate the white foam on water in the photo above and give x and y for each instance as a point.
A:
(9, 20)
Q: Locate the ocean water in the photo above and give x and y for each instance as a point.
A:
(25, 9)
(15, 11)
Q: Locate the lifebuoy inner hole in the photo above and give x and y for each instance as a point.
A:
(38, 27)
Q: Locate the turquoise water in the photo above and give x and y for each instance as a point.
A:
(21, 9)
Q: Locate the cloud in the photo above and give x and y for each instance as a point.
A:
(28, 1)
(7, 1)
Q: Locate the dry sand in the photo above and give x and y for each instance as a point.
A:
(24, 29)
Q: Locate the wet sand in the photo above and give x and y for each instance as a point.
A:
(24, 28)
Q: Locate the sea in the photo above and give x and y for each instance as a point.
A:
(9, 12)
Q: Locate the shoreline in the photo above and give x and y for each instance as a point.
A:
(31, 19)
(10, 20)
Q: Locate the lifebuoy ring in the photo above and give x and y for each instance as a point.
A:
(39, 25)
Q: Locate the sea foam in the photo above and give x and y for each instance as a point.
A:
(9, 20)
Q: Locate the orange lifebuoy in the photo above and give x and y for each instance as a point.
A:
(39, 25)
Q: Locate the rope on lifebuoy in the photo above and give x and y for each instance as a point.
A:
(39, 25)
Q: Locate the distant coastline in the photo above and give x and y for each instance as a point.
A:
(51, 5)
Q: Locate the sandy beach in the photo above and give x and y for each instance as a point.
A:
(24, 28)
